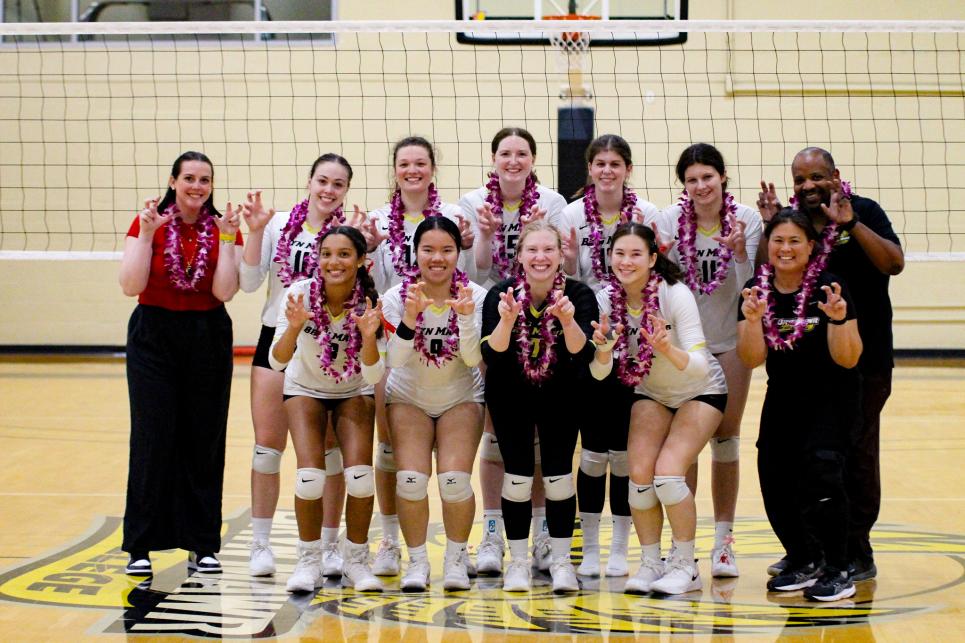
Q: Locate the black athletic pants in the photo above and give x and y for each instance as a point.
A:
(604, 427)
(179, 378)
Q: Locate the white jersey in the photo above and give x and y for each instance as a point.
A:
(303, 374)
(413, 380)
(549, 200)
(718, 310)
(665, 383)
(251, 277)
(573, 217)
(383, 270)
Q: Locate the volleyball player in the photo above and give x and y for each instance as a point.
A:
(434, 394)
(714, 242)
(511, 197)
(326, 340)
(180, 261)
(535, 330)
(679, 397)
(281, 247)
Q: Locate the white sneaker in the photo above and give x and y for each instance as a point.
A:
(388, 560)
(355, 569)
(308, 570)
(262, 559)
(723, 563)
(682, 576)
(518, 576)
(641, 582)
(455, 575)
(416, 577)
(564, 577)
(590, 565)
(542, 552)
(489, 558)
(332, 560)
(616, 564)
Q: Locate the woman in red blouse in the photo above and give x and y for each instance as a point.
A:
(181, 263)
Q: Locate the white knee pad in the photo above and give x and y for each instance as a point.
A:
(333, 462)
(671, 490)
(489, 449)
(265, 460)
(309, 483)
(517, 488)
(537, 458)
(454, 486)
(593, 463)
(642, 496)
(385, 458)
(559, 487)
(411, 485)
(360, 481)
(725, 449)
(619, 463)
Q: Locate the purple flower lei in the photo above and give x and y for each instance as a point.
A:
(324, 338)
(397, 226)
(293, 227)
(687, 243)
(451, 342)
(537, 372)
(494, 198)
(591, 210)
(181, 276)
(631, 370)
(829, 236)
(772, 333)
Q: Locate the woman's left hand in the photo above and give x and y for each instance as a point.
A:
(660, 337)
(465, 229)
(370, 320)
(735, 241)
(563, 310)
(230, 221)
(463, 304)
(834, 306)
(534, 213)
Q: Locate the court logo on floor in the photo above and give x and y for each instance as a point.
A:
(90, 574)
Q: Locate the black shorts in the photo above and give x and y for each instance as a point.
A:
(330, 404)
(716, 400)
(264, 345)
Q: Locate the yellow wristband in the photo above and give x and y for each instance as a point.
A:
(227, 238)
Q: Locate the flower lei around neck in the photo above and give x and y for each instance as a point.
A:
(293, 227)
(397, 226)
(494, 197)
(687, 244)
(632, 369)
(591, 209)
(451, 343)
(537, 370)
(182, 276)
(355, 303)
(829, 236)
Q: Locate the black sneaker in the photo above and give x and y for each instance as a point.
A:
(794, 578)
(862, 570)
(206, 563)
(777, 568)
(832, 585)
(139, 565)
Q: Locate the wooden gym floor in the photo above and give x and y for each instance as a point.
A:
(63, 466)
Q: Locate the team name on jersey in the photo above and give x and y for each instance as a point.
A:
(438, 331)
(786, 324)
(335, 337)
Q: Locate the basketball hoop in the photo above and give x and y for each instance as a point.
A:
(572, 47)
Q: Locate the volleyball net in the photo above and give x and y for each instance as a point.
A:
(93, 115)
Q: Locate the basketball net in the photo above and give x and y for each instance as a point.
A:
(572, 48)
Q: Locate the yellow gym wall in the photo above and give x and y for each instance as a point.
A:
(80, 303)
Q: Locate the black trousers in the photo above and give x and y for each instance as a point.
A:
(801, 467)
(516, 407)
(605, 426)
(863, 480)
(179, 380)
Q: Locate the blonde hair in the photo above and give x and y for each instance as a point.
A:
(539, 225)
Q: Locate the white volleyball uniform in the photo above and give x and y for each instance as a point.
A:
(303, 373)
(412, 379)
(718, 310)
(574, 217)
(382, 268)
(665, 383)
(549, 200)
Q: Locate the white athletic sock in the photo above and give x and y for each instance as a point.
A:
(418, 553)
(651, 552)
(621, 532)
(519, 549)
(561, 549)
(721, 531)
(309, 544)
(454, 549)
(261, 529)
(685, 550)
(493, 523)
(329, 535)
(390, 527)
(590, 525)
(538, 525)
